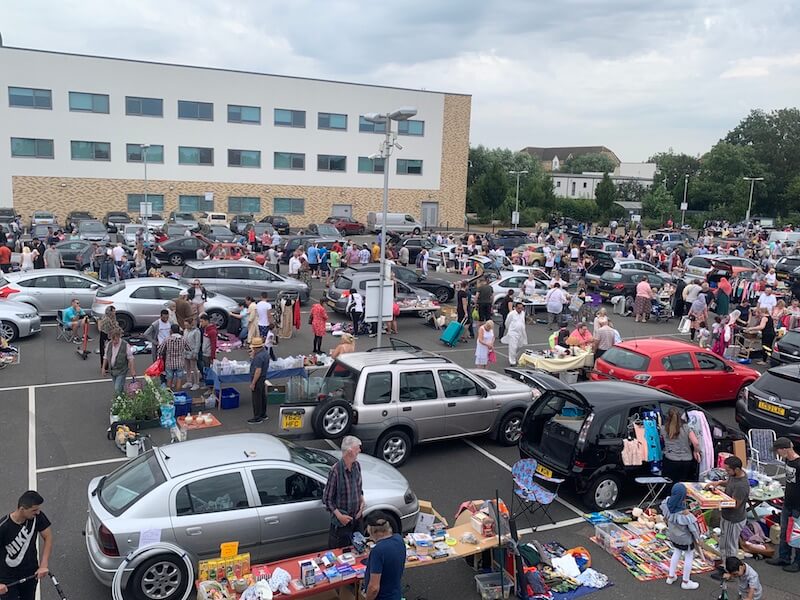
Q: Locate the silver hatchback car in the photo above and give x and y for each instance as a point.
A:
(139, 302)
(49, 290)
(237, 279)
(261, 490)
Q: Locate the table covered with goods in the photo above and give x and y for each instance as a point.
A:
(554, 361)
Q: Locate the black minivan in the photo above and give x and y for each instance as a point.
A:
(577, 432)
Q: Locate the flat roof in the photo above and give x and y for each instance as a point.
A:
(239, 71)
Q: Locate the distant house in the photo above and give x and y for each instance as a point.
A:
(583, 185)
(552, 158)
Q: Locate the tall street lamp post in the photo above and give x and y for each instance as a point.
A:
(516, 212)
(684, 205)
(752, 181)
(389, 142)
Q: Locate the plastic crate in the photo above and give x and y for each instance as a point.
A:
(229, 398)
(568, 376)
(494, 586)
(612, 537)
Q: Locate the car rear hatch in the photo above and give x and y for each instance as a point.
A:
(776, 396)
(622, 363)
(789, 347)
(554, 430)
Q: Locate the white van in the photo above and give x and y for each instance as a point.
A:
(214, 218)
(399, 222)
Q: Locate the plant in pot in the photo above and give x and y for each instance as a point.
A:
(142, 405)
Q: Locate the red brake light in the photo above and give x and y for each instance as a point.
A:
(345, 293)
(7, 291)
(108, 544)
(619, 286)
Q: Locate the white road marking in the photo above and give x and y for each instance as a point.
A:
(331, 444)
(556, 525)
(496, 460)
(31, 438)
(93, 463)
(49, 385)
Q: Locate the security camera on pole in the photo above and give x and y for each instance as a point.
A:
(389, 142)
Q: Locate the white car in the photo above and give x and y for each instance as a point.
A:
(130, 231)
(18, 320)
(697, 267)
(514, 281)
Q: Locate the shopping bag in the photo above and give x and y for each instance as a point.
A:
(793, 532)
(156, 369)
(133, 386)
(575, 304)
(168, 416)
(685, 325)
(492, 358)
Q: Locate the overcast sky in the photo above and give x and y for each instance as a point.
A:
(636, 76)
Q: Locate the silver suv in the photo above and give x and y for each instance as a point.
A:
(237, 279)
(338, 291)
(260, 490)
(394, 399)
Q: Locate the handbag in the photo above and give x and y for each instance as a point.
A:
(575, 304)
(685, 325)
(492, 358)
(156, 369)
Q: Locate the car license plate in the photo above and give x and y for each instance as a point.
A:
(291, 421)
(604, 294)
(544, 471)
(771, 408)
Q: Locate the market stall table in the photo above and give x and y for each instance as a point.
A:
(764, 495)
(556, 365)
(218, 380)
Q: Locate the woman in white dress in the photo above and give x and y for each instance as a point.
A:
(485, 339)
(27, 259)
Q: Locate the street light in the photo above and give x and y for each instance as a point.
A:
(389, 142)
(752, 181)
(684, 206)
(515, 222)
(144, 148)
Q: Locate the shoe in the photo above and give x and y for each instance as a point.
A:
(776, 561)
(716, 575)
(76, 341)
(671, 580)
(264, 418)
(792, 568)
(689, 585)
(255, 420)
(195, 387)
(187, 385)
(89, 339)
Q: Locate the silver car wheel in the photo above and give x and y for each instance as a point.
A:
(335, 420)
(606, 494)
(217, 319)
(394, 450)
(513, 430)
(8, 331)
(161, 580)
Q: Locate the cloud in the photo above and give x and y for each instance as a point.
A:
(636, 77)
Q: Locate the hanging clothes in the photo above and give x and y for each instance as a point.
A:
(699, 425)
(632, 453)
(653, 440)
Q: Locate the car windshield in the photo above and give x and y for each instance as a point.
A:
(316, 460)
(125, 486)
(625, 359)
(92, 227)
(342, 283)
(782, 386)
(327, 229)
(111, 290)
(791, 337)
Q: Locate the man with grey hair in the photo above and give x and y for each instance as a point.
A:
(344, 495)
(386, 561)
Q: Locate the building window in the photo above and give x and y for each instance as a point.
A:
(290, 118)
(144, 107)
(202, 111)
(411, 127)
(573, 188)
(558, 184)
(134, 200)
(189, 155)
(584, 185)
(31, 147)
(244, 158)
(135, 153)
(332, 121)
(409, 167)
(90, 150)
(30, 97)
(244, 114)
(246, 205)
(195, 204)
(289, 206)
(370, 165)
(289, 160)
(331, 162)
(365, 126)
(84, 102)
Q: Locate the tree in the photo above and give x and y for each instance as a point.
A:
(672, 168)
(606, 194)
(593, 162)
(630, 191)
(659, 205)
(490, 190)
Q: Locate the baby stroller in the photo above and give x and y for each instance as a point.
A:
(661, 309)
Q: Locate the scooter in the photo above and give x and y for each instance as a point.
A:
(83, 350)
(32, 577)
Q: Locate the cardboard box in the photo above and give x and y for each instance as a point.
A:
(740, 450)
(427, 517)
(483, 524)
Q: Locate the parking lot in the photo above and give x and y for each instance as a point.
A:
(54, 410)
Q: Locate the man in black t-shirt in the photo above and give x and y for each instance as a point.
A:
(18, 547)
(791, 504)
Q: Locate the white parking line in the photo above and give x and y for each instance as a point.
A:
(31, 438)
(49, 385)
(93, 463)
(496, 460)
(549, 526)
(331, 444)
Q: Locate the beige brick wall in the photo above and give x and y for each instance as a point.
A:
(63, 194)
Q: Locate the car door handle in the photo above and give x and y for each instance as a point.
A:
(451, 404)
(194, 530)
(272, 520)
(406, 409)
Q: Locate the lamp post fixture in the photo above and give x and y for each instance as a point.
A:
(517, 173)
(389, 142)
(144, 148)
(752, 181)
(685, 190)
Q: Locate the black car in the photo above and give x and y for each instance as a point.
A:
(239, 223)
(786, 266)
(219, 233)
(280, 224)
(442, 289)
(624, 282)
(576, 432)
(293, 242)
(75, 217)
(786, 350)
(415, 246)
(76, 254)
(177, 251)
(114, 219)
(772, 402)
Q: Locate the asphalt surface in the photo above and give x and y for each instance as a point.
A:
(54, 415)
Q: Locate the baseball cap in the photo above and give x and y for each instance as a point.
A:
(782, 443)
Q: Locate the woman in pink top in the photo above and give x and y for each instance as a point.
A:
(643, 302)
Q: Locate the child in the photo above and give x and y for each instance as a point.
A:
(749, 583)
(683, 532)
(716, 330)
(704, 335)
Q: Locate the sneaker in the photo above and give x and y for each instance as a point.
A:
(689, 585)
(195, 387)
(264, 418)
(792, 568)
(671, 580)
(187, 385)
(776, 561)
(255, 420)
(89, 338)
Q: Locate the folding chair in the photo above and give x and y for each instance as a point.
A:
(762, 454)
(531, 495)
(63, 332)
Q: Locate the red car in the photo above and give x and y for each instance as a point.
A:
(683, 369)
(347, 225)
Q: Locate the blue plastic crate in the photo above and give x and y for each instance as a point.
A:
(181, 410)
(182, 398)
(229, 398)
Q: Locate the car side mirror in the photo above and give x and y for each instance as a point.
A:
(94, 286)
(484, 392)
(729, 368)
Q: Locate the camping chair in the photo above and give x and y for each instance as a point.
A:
(762, 454)
(63, 332)
(528, 493)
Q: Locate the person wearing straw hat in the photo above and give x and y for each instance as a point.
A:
(259, 365)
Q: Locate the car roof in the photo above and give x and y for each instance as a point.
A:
(656, 345)
(359, 360)
(209, 264)
(214, 451)
(787, 371)
(41, 272)
(609, 394)
(146, 281)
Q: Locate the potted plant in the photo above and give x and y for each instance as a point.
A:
(142, 408)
